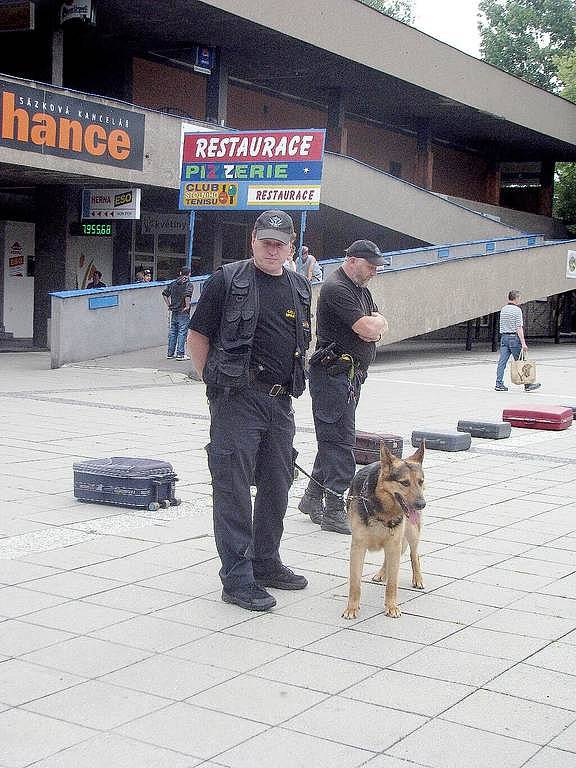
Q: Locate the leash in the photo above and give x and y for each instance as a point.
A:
(326, 490)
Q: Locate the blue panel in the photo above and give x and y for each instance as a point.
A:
(531, 241)
(443, 253)
(101, 302)
(490, 247)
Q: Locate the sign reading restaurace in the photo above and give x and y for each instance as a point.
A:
(251, 170)
(109, 204)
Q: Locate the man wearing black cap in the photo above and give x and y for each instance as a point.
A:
(248, 337)
(348, 327)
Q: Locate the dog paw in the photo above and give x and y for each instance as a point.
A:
(379, 578)
(393, 611)
(418, 584)
(351, 612)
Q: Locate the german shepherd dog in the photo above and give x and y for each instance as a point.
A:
(384, 505)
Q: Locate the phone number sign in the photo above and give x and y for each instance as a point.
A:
(252, 170)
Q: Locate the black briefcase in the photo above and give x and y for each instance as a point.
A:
(127, 482)
(442, 441)
(496, 430)
(367, 447)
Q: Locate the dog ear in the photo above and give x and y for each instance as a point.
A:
(386, 458)
(419, 455)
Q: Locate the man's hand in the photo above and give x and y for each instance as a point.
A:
(371, 327)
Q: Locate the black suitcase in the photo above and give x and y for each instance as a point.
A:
(127, 482)
(496, 430)
(442, 441)
(367, 447)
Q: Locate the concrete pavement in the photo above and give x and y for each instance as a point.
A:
(115, 648)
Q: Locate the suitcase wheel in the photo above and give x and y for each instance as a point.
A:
(153, 506)
(175, 502)
(165, 503)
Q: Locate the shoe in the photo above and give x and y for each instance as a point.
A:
(312, 505)
(282, 578)
(250, 597)
(532, 387)
(182, 357)
(501, 388)
(335, 518)
(170, 357)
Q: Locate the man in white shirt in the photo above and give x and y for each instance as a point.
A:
(512, 340)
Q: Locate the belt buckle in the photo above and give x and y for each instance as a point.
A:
(275, 390)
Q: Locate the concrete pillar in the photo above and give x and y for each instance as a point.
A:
(336, 133)
(2, 268)
(121, 266)
(52, 206)
(217, 90)
(493, 182)
(57, 58)
(424, 155)
(546, 188)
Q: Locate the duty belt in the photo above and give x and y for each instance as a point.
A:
(272, 390)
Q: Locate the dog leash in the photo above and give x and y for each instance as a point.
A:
(326, 490)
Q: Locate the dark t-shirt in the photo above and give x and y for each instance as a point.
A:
(275, 337)
(340, 304)
(178, 291)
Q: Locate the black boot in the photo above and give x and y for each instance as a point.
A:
(312, 502)
(335, 517)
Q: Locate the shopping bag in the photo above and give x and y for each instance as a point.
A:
(523, 371)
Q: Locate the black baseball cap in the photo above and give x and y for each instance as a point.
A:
(366, 249)
(274, 225)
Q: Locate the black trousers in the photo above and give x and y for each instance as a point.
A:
(251, 439)
(334, 410)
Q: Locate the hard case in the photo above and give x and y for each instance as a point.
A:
(496, 430)
(367, 448)
(552, 417)
(127, 482)
(442, 441)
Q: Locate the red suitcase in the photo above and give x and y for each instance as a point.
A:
(367, 448)
(554, 417)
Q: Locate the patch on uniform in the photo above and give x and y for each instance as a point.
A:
(290, 314)
(306, 325)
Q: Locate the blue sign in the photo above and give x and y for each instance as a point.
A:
(102, 302)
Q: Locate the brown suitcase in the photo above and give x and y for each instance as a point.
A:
(367, 448)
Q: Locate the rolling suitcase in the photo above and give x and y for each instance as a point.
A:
(127, 482)
(496, 430)
(552, 417)
(367, 447)
(443, 441)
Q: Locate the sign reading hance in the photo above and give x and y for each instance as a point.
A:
(38, 120)
(252, 170)
(109, 204)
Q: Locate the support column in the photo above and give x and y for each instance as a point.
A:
(493, 182)
(424, 155)
(336, 133)
(217, 251)
(57, 59)
(217, 90)
(469, 335)
(546, 188)
(122, 244)
(495, 331)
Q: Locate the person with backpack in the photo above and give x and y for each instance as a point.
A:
(178, 298)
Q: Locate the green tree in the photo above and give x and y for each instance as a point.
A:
(526, 37)
(403, 10)
(565, 182)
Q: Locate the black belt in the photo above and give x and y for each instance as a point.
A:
(272, 390)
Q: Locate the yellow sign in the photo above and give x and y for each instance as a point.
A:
(198, 194)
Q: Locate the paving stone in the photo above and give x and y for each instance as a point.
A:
(86, 656)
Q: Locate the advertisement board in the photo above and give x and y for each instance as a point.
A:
(252, 170)
(111, 204)
(38, 120)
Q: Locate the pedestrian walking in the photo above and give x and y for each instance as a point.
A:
(178, 297)
(512, 340)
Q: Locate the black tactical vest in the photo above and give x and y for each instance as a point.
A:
(229, 357)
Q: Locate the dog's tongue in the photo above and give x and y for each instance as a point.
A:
(413, 515)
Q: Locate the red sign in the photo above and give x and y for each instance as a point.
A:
(253, 146)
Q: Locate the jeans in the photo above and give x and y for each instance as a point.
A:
(178, 331)
(509, 345)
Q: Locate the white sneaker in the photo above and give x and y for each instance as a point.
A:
(170, 357)
(182, 357)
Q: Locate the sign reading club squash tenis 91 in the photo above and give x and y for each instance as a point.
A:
(252, 170)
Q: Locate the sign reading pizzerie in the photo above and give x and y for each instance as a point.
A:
(55, 124)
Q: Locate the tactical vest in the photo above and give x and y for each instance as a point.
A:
(228, 362)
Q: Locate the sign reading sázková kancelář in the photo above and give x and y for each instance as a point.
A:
(252, 170)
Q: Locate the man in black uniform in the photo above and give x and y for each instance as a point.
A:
(248, 338)
(347, 326)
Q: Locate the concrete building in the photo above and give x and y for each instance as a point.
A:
(426, 145)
